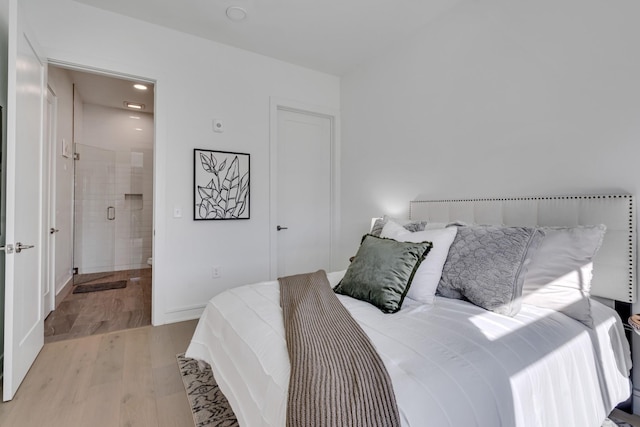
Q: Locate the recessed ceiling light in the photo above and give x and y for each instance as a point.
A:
(140, 86)
(139, 129)
(134, 105)
(135, 117)
(236, 13)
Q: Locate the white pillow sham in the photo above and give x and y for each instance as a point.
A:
(409, 225)
(560, 272)
(426, 279)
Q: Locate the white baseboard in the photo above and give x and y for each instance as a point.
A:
(126, 267)
(179, 314)
(66, 290)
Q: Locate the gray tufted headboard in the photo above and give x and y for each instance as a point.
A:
(615, 264)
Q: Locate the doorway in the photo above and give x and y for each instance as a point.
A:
(104, 207)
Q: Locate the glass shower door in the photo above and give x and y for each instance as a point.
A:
(95, 214)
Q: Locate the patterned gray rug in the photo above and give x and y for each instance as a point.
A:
(211, 409)
(208, 405)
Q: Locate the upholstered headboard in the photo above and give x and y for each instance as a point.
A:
(615, 264)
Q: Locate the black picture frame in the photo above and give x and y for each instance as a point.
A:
(221, 185)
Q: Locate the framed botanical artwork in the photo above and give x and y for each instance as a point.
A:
(221, 185)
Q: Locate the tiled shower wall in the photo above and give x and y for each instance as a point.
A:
(134, 190)
(118, 185)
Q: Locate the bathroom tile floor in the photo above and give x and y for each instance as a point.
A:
(80, 315)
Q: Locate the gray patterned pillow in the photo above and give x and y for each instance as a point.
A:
(411, 226)
(487, 264)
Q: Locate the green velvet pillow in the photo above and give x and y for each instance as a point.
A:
(382, 271)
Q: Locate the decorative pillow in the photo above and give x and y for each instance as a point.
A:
(487, 265)
(382, 271)
(424, 284)
(412, 226)
(559, 276)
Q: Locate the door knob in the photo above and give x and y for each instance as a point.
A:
(281, 228)
(53, 230)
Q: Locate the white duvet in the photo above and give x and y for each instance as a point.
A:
(451, 363)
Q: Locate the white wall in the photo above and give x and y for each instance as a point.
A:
(196, 80)
(60, 81)
(495, 98)
(115, 129)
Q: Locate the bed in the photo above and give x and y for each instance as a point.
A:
(451, 362)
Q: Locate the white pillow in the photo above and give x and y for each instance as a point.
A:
(409, 225)
(560, 272)
(425, 281)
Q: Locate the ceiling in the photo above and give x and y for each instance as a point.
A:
(110, 91)
(332, 36)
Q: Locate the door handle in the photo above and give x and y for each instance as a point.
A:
(53, 230)
(20, 247)
(111, 213)
(281, 228)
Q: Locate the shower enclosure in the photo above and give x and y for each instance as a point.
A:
(113, 214)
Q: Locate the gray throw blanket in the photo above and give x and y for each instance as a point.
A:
(337, 377)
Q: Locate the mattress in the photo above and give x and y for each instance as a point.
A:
(451, 363)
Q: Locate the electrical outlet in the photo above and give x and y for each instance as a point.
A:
(215, 272)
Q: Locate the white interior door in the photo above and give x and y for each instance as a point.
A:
(24, 322)
(304, 198)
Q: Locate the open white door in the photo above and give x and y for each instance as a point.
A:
(24, 323)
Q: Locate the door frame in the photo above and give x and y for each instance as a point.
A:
(49, 199)
(77, 66)
(281, 104)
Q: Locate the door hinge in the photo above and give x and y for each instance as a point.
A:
(75, 270)
(76, 156)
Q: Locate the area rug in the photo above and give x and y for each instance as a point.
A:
(208, 405)
(79, 279)
(81, 289)
(211, 409)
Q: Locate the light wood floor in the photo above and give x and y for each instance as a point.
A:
(125, 378)
(80, 315)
